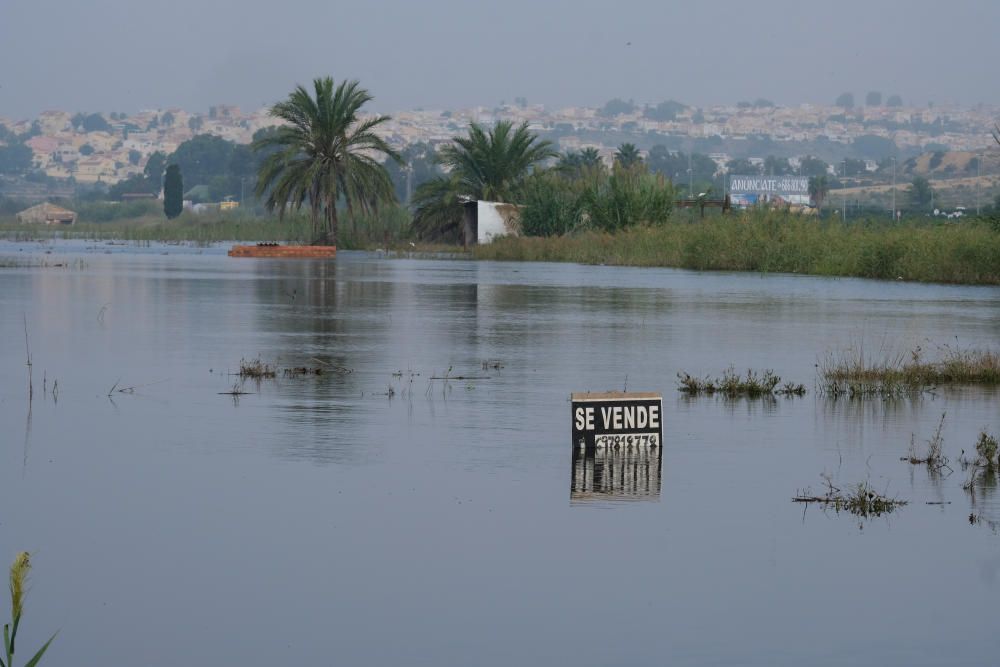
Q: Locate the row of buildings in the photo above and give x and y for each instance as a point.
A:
(123, 143)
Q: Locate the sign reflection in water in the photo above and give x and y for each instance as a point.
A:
(607, 473)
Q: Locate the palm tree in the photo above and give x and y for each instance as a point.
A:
(575, 164)
(590, 157)
(818, 189)
(492, 164)
(628, 155)
(570, 162)
(323, 153)
(437, 209)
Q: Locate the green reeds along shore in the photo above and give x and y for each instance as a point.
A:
(776, 242)
(764, 241)
(855, 375)
(390, 226)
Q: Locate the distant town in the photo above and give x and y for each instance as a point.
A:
(80, 148)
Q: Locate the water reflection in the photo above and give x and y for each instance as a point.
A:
(626, 473)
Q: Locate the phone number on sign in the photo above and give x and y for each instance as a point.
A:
(632, 440)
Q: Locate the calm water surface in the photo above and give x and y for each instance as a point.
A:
(319, 520)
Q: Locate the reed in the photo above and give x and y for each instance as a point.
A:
(733, 385)
(778, 242)
(860, 500)
(18, 581)
(255, 369)
(855, 375)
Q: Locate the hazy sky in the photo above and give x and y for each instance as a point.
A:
(126, 55)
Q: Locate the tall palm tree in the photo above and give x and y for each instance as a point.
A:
(489, 164)
(324, 152)
(628, 155)
(493, 163)
(574, 164)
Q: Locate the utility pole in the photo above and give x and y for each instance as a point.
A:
(979, 167)
(843, 210)
(690, 179)
(894, 188)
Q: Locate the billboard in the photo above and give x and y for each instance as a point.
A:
(750, 190)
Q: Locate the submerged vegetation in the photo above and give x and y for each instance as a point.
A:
(733, 385)
(255, 369)
(934, 457)
(856, 375)
(861, 499)
(984, 467)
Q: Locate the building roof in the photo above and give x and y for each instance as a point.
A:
(48, 209)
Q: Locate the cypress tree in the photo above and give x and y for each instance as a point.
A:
(173, 192)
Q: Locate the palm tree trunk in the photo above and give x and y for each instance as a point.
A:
(331, 221)
(314, 211)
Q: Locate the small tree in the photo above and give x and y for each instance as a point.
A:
(173, 192)
(873, 99)
(818, 188)
(812, 166)
(920, 193)
(845, 101)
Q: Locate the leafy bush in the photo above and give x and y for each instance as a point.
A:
(552, 205)
(596, 199)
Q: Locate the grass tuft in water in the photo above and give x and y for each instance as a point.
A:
(255, 369)
(934, 457)
(860, 500)
(733, 385)
(982, 469)
(856, 375)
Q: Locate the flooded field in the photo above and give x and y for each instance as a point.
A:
(403, 490)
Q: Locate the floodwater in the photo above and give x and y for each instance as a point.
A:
(379, 517)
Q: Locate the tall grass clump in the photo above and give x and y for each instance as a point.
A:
(733, 385)
(18, 580)
(255, 369)
(984, 466)
(857, 375)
